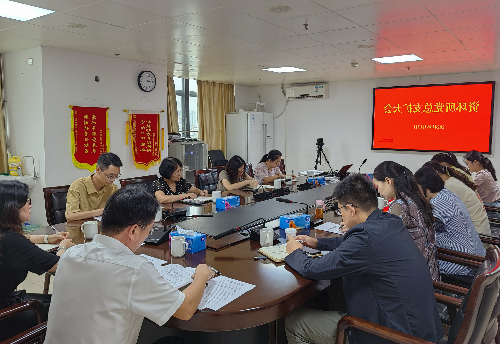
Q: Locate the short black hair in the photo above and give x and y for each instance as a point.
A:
(428, 179)
(357, 190)
(168, 167)
(126, 207)
(232, 167)
(107, 159)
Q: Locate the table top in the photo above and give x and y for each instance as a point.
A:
(279, 289)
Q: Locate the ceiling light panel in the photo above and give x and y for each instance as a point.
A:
(21, 12)
(284, 69)
(397, 59)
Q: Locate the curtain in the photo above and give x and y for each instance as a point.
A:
(172, 117)
(214, 101)
(4, 168)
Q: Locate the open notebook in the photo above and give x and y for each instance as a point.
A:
(278, 253)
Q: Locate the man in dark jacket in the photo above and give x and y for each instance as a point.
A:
(386, 279)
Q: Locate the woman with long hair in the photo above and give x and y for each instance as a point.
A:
(395, 181)
(234, 176)
(267, 170)
(449, 159)
(19, 255)
(485, 177)
(471, 199)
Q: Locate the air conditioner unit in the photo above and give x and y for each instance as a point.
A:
(307, 92)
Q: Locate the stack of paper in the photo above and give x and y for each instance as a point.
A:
(221, 290)
(330, 227)
(316, 172)
(47, 247)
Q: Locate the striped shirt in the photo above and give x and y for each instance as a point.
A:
(455, 231)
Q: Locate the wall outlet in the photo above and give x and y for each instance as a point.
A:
(30, 61)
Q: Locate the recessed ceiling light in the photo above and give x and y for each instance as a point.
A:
(22, 12)
(76, 26)
(284, 69)
(396, 59)
(279, 9)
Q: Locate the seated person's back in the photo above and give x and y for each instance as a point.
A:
(453, 226)
(88, 195)
(103, 291)
(386, 278)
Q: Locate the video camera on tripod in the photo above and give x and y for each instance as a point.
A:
(319, 153)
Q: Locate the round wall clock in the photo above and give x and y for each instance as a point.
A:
(147, 81)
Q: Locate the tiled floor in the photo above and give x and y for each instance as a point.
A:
(34, 283)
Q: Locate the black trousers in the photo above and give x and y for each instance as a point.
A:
(19, 323)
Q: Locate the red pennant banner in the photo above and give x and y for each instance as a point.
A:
(89, 135)
(145, 134)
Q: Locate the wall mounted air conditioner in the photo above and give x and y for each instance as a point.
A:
(307, 92)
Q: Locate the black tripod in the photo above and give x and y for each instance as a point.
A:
(319, 152)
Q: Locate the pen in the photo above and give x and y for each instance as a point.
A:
(214, 270)
(258, 258)
(54, 228)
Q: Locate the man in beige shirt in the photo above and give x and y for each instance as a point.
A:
(88, 195)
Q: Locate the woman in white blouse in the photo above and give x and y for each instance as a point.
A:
(267, 170)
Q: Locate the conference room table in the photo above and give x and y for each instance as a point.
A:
(278, 291)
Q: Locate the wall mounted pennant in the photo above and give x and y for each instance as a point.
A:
(89, 135)
(146, 136)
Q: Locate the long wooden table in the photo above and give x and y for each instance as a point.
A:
(279, 289)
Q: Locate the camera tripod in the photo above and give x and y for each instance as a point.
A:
(319, 153)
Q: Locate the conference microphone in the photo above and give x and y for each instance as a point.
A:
(284, 200)
(359, 171)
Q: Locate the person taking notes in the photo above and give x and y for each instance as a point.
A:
(267, 170)
(234, 176)
(103, 291)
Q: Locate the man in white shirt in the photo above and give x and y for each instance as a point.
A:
(103, 291)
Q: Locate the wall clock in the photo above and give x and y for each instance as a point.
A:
(147, 81)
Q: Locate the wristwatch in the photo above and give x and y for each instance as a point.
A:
(46, 239)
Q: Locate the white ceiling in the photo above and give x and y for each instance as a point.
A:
(232, 40)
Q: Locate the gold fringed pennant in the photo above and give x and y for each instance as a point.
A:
(89, 135)
(162, 138)
(144, 130)
(127, 132)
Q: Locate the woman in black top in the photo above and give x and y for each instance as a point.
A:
(19, 255)
(170, 187)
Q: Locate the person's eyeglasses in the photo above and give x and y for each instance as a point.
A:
(111, 177)
(336, 206)
(178, 172)
(28, 201)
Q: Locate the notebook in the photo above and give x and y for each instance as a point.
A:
(278, 253)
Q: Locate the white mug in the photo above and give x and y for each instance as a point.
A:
(310, 173)
(277, 183)
(89, 229)
(159, 215)
(290, 232)
(381, 202)
(215, 195)
(178, 246)
(266, 237)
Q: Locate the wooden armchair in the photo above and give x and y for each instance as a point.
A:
(32, 334)
(55, 204)
(476, 321)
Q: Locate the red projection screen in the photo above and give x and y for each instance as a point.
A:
(448, 117)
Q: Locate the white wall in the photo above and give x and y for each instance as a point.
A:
(67, 78)
(24, 109)
(345, 122)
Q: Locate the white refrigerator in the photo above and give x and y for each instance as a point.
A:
(249, 135)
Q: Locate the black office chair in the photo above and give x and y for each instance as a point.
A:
(216, 158)
(146, 181)
(55, 204)
(206, 180)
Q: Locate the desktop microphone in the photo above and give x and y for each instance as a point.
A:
(359, 171)
(284, 200)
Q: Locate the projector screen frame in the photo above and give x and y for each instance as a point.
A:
(493, 84)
